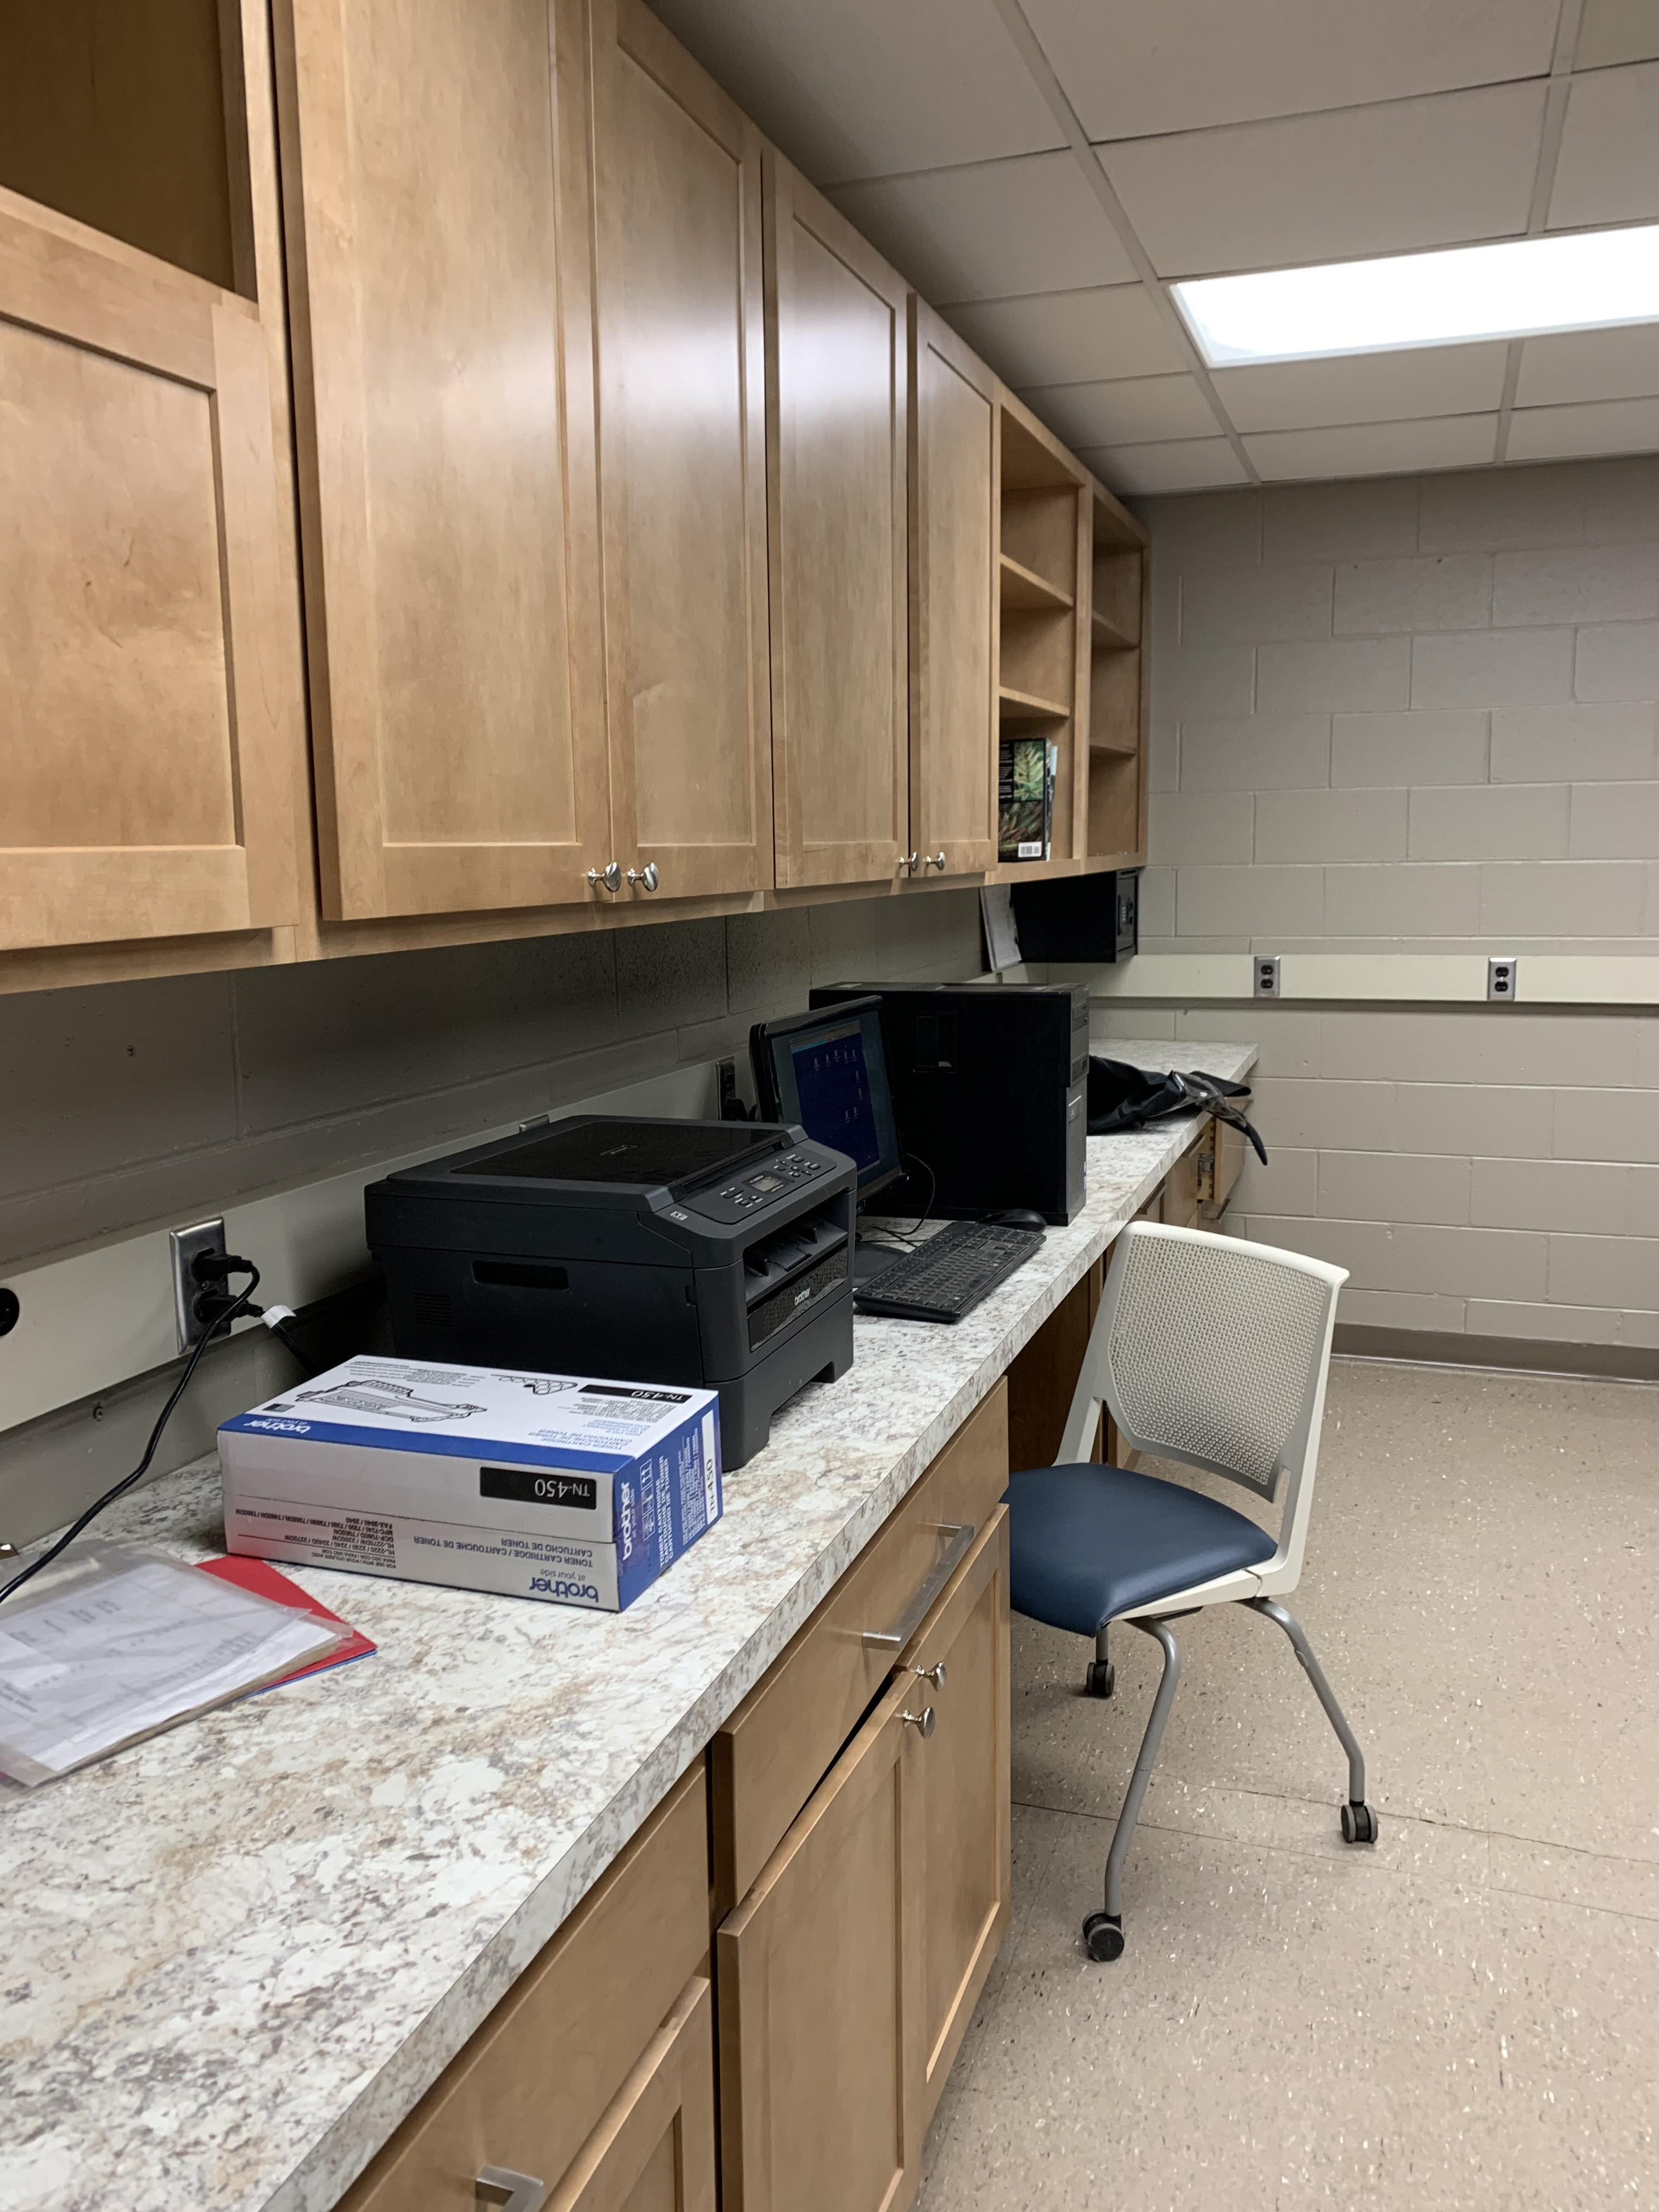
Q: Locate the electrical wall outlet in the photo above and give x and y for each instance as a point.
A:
(1500, 976)
(184, 1244)
(1267, 976)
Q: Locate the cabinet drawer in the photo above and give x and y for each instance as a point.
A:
(768, 1758)
(653, 2151)
(529, 2089)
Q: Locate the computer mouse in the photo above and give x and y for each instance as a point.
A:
(1015, 1217)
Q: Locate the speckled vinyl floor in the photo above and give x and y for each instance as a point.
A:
(1467, 2015)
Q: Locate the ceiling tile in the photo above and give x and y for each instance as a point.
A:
(1186, 464)
(1601, 426)
(862, 88)
(1130, 412)
(1366, 387)
(1070, 338)
(1616, 30)
(1590, 365)
(1369, 449)
(1608, 170)
(1334, 186)
(1131, 69)
(992, 230)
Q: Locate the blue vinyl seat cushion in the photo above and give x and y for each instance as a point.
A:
(1087, 1543)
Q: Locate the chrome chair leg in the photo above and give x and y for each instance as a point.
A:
(1103, 1932)
(1358, 1821)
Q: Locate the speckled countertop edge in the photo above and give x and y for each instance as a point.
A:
(236, 1956)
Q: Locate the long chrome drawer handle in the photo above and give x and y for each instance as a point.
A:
(961, 1534)
(498, 2186)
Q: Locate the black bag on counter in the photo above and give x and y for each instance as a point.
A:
(1122, 1097)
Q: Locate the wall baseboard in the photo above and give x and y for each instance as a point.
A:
(1621, 1363)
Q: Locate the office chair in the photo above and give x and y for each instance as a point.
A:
(1212, 1352)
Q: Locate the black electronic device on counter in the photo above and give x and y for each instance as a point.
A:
(988, 1084)
(828, 1072)
(712, 1253)
(1092, 919)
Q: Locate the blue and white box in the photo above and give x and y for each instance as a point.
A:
(568, 1488)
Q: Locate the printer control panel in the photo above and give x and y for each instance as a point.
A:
(778, 1174)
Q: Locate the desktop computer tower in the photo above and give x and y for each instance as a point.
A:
(989, 1084)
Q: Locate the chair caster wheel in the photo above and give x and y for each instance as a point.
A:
(1102, 1934)
(1358, 1824)
(1101, 1680)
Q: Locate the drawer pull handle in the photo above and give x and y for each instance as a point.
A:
(935, 1674)
(961, 1534)
(923, 1720)
(513, 2192)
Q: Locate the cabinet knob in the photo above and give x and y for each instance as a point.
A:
(513, 2192)
(608, 878)
(933, 860)
(645, 879)
(935, 1674)
(923, 1720)
(908, 862)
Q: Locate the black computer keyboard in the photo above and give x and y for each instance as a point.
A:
(947, 1277)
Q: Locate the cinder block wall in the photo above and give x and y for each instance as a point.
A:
(146, 1104)
(1409, 716)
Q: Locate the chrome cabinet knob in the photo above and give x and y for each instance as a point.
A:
(608, 878)
(935, 1674)
(923, 1720)
(645, 879)
(933, 860)
(908, 862)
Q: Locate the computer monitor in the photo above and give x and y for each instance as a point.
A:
(828, 1072)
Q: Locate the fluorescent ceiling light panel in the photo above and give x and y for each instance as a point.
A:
(1590, 280)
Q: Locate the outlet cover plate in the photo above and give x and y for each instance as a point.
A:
(183, 1245)
(1501, 976)
(1265, 974)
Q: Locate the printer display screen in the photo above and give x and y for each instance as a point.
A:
(640, 1153)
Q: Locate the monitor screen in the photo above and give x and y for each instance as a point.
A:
(828, 1072)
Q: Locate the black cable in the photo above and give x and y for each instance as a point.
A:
(220, 1326)
(915, 1159)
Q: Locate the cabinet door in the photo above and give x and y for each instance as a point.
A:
(653, 2151)
(819, 1993)
(959, 1891)
(441, 313)
(837, 484)
(953, 605)
(683, 462)
(144, 674)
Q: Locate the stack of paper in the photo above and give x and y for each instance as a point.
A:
(120, 1641)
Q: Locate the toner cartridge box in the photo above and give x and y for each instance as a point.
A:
(574, 1489)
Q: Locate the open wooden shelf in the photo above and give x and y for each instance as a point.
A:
(1108, 637)
(1116, 748)
(1023, 588)
(1027, 706)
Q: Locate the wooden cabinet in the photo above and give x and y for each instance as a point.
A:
(681, 354)
(953, 607)
(837, 428)
(1042, 674)
(1120, 649)
(849, 1971)
(440, 301)
(594, 2073)
(147, 683)
(959, 1895)
(1220, 1157)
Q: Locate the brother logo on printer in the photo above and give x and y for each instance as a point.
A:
(284, 1428)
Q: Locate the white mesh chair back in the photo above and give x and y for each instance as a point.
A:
(1214, 1352)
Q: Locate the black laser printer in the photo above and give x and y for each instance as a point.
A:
(988, 1084)
(712, 1253)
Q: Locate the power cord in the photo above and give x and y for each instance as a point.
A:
(219, 1309)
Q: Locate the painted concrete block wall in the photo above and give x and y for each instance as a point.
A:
(158, 1103)
(1418, 715)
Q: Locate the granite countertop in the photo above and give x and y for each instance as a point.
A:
(236, 1956)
